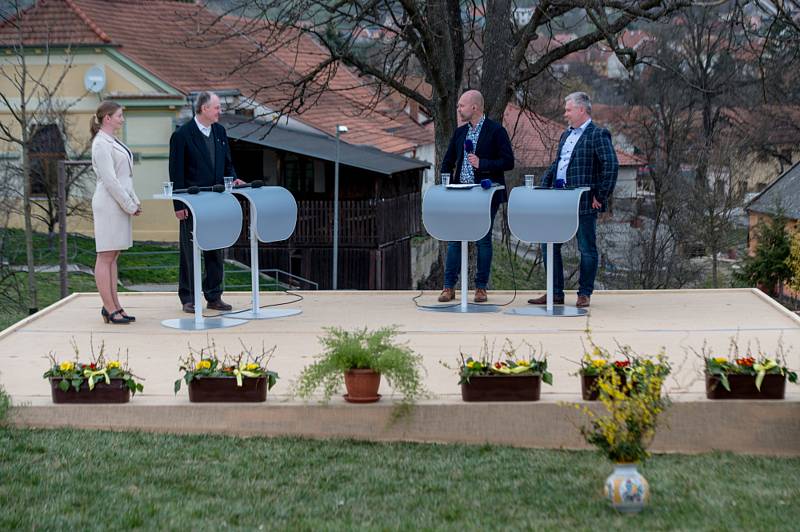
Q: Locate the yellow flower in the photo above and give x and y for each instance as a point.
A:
(113, 364)
(471, 364)
(523, 363)
(598, 362)
(204, 364)
(251, 366)
(720, 360)
(66, 366)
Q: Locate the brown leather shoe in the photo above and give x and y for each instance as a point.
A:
(582, 302)
(448, 294)
(219, 304)
(480, 295)
(542, 300)
(188, 308)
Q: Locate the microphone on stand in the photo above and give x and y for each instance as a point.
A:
(197, 190)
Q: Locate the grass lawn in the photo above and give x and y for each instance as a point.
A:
(65, 479)
(502, 277)
(142, 264)
(49, 292)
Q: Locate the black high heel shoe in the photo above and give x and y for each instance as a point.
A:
(124, 315)
(114, 317)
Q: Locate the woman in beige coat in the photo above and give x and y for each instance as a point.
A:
(113, 204)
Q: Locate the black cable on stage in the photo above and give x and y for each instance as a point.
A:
(513, 280)
(297, 299)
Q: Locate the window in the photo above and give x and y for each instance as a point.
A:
(299, 173)
(46, 149)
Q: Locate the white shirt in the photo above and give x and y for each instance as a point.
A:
(205, 130)
(566, 151)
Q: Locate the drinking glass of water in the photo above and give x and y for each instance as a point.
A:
(529, 180)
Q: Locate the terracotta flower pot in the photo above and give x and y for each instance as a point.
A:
(502, 388)
(116, 392)
(362, 386)
(225, 390)
(744, 387)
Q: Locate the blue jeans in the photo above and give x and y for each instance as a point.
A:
(587, 245)
(452, 265)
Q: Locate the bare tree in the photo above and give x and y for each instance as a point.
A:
(710, 58)
(775, 41)
(31, 104)
(661, 123)
(698, 80)
(432, 39)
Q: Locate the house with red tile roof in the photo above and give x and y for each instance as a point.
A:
(535, 141)
(156, 55)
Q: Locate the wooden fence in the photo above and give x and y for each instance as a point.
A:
(362, 223)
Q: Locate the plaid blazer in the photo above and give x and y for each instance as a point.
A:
(593, 164)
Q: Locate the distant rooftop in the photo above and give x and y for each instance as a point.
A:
(783, 195)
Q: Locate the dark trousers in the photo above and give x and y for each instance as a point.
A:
(587, 245)
(452, 264)
(212, 280)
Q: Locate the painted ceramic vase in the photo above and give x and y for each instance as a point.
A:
(627, 490)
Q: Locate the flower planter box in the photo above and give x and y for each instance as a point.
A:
(744, 387)
(116, 392)
(225, 390)
(502, 388)
(589, 390)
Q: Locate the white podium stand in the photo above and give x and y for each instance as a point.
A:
(550, 216)
(463, 214)
(273, 216)
(217, 223)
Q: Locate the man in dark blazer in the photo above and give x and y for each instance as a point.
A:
(199, 155)
(480, 149)
(585, 158)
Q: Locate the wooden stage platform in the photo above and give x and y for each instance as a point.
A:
(646, 320)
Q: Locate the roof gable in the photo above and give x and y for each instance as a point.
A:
(783, 195)
(52, 23)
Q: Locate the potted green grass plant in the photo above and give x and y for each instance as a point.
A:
(358, 359)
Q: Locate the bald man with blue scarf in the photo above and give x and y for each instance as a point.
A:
(480, 149)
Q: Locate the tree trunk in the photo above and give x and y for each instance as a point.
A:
(33, 305)
(497, 45)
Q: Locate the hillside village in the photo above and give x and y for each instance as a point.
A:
(160, 58)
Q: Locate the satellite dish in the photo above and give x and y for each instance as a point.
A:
(95, 79)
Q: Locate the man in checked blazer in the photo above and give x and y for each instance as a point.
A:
(585, 158)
